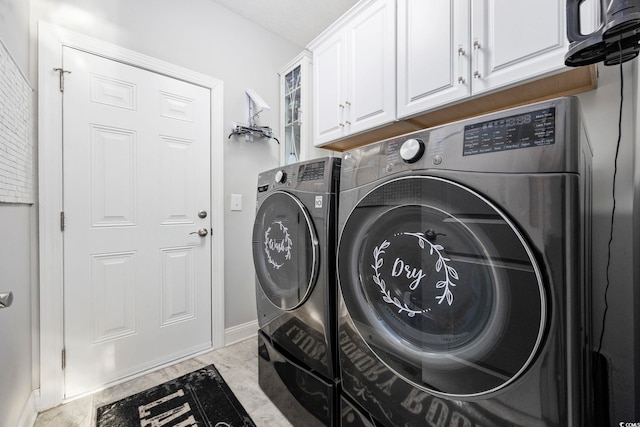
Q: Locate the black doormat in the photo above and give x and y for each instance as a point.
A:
(199, 398)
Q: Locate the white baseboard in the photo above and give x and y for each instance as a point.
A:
(29, 412)
(241, 332)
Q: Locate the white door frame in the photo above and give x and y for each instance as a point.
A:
(51, 39)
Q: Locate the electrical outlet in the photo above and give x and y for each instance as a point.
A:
(236, 202)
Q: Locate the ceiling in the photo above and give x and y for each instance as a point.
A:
(298, 21)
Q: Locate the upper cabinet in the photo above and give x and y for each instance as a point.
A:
(515, 40)
(447, 53)
(449, 50)
(433, 51)
(295, 117)
(354, 74)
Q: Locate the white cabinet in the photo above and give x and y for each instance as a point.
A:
(354, 74)
(451, 49)
(514, 40)
(433, 49)
(295, 110)
(329, 89)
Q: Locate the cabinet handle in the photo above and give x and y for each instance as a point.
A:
(348, 104)
(342, 112)
(476, 48)
(461, 53)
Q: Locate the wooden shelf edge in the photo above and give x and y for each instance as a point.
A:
(570, 82)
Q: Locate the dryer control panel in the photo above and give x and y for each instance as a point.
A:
(545, 137)
(527, 130)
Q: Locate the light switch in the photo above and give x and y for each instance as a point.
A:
(236, 202)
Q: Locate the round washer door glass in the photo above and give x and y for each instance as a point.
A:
(442, 286)
(285, 250)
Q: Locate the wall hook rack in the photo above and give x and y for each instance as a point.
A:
(254, 102)
(253, 131)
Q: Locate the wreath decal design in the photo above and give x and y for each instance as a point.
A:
(285, 245)
(446, 284)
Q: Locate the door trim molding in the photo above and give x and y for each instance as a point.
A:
(51, 40)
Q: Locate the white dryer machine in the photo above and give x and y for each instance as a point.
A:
(462, 264)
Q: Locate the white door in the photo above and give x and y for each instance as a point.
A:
(433, 54)
(329, 90)
(516, 40)
(371, 77)
(137, 280)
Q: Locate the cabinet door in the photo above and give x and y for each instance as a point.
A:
(371, 78)
(329, 90)
(291, 97)
(433, 54)
(516, 40)
(296, 112)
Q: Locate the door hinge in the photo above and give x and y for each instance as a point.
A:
(61, 221)
(61, 74)
(64, 358)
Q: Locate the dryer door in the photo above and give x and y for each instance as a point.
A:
(285, 250)
(442, 286)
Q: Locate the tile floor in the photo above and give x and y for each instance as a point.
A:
(238, 365)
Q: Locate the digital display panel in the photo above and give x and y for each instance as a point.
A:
(311, 171)
(532, 129)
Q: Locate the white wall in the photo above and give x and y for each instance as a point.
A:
(17, 234)
(14, 30)
(601, 112)
(207, 38)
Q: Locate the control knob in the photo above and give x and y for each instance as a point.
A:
(281, 177)
(412, 150)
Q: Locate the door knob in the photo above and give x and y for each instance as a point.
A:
(202, 232)
(6, 299)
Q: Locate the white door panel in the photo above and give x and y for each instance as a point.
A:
(371, 90)
(517, 40)
(433, 54)
(329, 90)
(137, 284)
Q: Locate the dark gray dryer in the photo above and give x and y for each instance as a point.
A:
(462, 263)
(294, 238)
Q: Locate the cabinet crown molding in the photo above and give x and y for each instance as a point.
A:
(304, 55)
(340, 23)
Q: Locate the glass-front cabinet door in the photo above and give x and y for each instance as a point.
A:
(292, 114)
(295, 112)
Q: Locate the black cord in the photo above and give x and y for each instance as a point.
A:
(613, 210)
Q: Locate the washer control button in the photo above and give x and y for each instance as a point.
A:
(437, 159)
(412, 150)
(281, 177)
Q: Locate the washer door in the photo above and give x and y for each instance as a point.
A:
(441, 286)
(285, 250)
